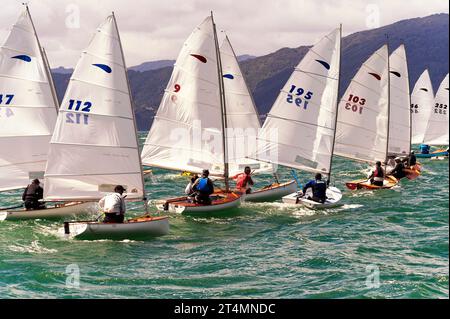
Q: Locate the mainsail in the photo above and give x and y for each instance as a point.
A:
(304, 114)
(28, 106)
(242, 117)
(437, 130)
(362, 126)
(94, 146)
(422, 99)
(186, 133)
(400, 115)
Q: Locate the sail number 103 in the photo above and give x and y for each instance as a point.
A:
(355, 104)
(78, 118)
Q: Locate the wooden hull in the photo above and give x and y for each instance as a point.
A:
(64, 210)
(137, 228)
(184, 205)
(271, 193)
(334, 196)
(389, 182)
(413, 172)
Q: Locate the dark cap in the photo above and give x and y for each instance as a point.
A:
(36, 181)
(378, 163)
(119, 189)
(318, 176)
(205, 172)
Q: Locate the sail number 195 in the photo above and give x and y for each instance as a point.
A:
(294, 97)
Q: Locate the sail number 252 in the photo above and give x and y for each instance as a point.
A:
(294, 97)
(78, 118)
(355, 103)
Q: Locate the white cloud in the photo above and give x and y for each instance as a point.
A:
(155, 29)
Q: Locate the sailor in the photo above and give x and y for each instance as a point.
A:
(398, 172)
(244, 181)
(203, 187)
(113, 205)
(377, 176)
(424, 149)
(412, 159)
(32, 194)
(319, 189)
(189, 190)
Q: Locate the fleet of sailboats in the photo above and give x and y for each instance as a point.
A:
(207, 119)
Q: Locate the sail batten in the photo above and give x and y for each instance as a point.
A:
(28, 109)
(94, 145)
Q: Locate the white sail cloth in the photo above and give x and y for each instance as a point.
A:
(400, 118)
(242, 117)
(437, 130)
(299, 129)
(362, 126)
(27, 108)
(94, 145)
(422, 99)
(186, 133)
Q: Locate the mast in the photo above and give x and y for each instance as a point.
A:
(223, 106)
(337, 101)
(409, 98)
(389, 102)
(46, 65)
(144, 198)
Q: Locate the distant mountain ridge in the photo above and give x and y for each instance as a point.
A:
(427, 46)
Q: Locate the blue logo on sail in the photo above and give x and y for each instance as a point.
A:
(324, 64)
(22, 57)
(104, 67)
(228, 76)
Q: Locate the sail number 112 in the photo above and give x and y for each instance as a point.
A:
(78, 118)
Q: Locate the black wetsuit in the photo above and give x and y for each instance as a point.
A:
(31, 196)
(412, 160)
(319, 189)
(398, 172)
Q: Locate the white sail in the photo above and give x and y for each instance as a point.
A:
(28, 109)
(304, 114)
(242, 117)
(362, 126)
(422, 101)
(437, 130)
(186, 133)
(400, 118)
(94, 145)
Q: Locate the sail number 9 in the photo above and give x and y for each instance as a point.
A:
(78, 118)
(6, 99)
(355, 103)
(440, 108)
(294, 97)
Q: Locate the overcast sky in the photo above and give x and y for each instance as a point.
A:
(156, 29)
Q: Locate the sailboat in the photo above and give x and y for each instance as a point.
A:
(243, 123)
(363, 118)
(304, 118)
(436, 133)
(399, 144)
(28, 111)
(94, 146)
(189, 130)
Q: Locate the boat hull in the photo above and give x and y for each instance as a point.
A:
(439, 153)
(334, 195)
(65, 210)
(389, 182)
(271, 193)
(138, 228)
(184, 205)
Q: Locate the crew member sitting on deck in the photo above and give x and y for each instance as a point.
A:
(319, 189)
(113, 205)
(377, 176)
(32, 194)
(398, 172)
(424, 149)
(244, 181)
(203, 187)
(412, 159)
(188, 190)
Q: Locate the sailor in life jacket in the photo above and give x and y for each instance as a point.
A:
(319, 189)
(113, 205)
(32, 194)
(424, 149)
(189, 191)
(398, 171)
(244, 181)
(203, 187)
(377, 176)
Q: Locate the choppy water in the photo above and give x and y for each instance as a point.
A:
(261, 250)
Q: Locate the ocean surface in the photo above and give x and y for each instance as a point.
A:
(379, 244)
